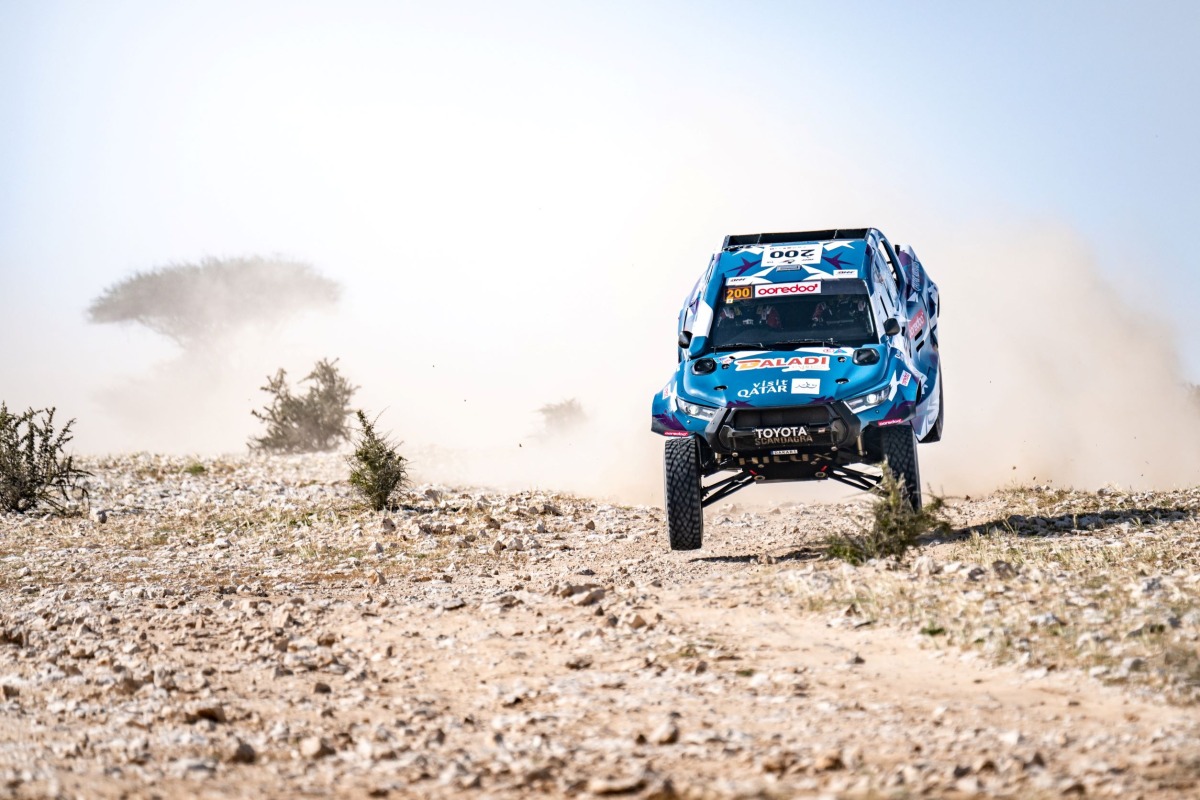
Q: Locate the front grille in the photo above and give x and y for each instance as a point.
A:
(781, 417)
(755, 429)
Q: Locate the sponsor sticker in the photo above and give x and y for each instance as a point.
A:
(884, 422)
(788, 434)
(806, 385)
(917, 324)
(777, 386)
(784, 452)
(786, 289)
(741, 280)
(675, 433)
(904, 379)
(791, 255)
(845, 273)
(789, 364)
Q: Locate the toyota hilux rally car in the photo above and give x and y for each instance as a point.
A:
(800, 354)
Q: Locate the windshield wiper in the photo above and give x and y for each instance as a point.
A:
(830, 342)
(743, 346)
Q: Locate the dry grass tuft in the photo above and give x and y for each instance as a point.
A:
(895, 526)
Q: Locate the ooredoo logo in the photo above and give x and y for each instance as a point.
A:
(917, 324)
(787, 289)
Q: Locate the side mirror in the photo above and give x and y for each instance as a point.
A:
(865, 356)
(685, 339)
(891, 327)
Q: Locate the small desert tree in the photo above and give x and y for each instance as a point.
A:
(377, 470)
(34, 469)
(191, 303)
(315, 421)
(895, 526)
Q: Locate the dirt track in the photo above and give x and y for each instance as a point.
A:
(248, 630)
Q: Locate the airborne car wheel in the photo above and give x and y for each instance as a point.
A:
(900, 452)
(681, 483)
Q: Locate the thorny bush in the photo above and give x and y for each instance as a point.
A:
(376, 469)
(895, 527)
(34, 470)
(313, 422)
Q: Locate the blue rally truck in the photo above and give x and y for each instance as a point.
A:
(802, 356)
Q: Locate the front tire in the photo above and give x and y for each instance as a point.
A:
(900, 453)
(682, 490)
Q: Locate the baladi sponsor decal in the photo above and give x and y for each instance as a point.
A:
(786, 363)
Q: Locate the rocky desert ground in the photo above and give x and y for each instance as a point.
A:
(243, 627)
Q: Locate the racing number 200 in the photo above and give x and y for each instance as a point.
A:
(806, 252)
(733, 293)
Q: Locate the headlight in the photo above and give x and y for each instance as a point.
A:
(693, 410)
(869, 400)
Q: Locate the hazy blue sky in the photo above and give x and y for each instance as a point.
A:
(568, 154)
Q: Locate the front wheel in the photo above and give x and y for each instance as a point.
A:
(681, 485)
(900, 453)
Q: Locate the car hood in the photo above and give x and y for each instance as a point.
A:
(757, 378)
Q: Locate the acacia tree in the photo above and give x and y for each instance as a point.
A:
(190, 303)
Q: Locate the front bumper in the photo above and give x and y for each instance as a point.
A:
(823, 426)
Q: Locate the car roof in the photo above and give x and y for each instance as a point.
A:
(828, 258)
(795, 237)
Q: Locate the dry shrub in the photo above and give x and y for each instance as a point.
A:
(34, 469)
(895, 527)
(377, 470)
(313, 422)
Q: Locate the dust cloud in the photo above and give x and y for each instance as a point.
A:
(1052, 375)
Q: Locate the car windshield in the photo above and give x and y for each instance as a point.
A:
(770, 316)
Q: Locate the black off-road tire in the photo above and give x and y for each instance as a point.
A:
(900, 452)
(935, 433)
(681, 485)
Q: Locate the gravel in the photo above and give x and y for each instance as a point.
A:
(251, 630)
